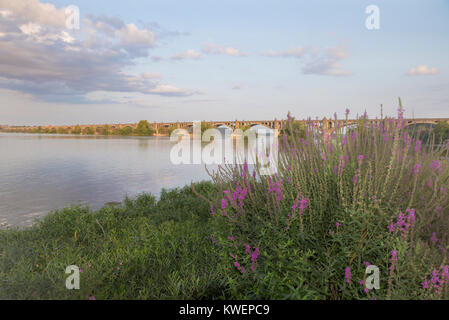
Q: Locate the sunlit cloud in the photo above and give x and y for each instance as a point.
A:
(41, 57)
(211, 48)
(189, 54)
(422, 70)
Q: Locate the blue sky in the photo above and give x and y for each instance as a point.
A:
(220, 60)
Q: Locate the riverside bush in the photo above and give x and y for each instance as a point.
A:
(339, 202)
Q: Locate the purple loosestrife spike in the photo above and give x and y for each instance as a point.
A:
(224, 204)
(393, 260)
(434, 238)
(348, 275)
(418, 145)
(417, 168)
(254, 257)
(435, 165)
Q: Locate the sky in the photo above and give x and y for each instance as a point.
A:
(220, 60)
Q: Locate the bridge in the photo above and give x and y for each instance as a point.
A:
(163, 128)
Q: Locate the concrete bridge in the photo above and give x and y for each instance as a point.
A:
(163, 128)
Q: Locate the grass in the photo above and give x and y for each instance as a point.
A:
(144, 249)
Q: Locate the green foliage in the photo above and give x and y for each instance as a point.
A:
(205, 126)
(143, 129)
(106, 130)
(126, 131)
(294, 128)
(76, 130)
(89, 131)
(355, 186)
(441, 131)
(144, 249)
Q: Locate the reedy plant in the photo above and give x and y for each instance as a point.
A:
(327, 210)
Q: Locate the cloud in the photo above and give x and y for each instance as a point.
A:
(211, 48)
(296, 52)
(189, 54)
(328, 63)
(314, 62)
(422, 70)
(170, 91)
(39, 56)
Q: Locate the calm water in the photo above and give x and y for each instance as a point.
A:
(40, 173)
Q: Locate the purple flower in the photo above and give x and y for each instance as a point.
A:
(239, 267)
(435, 164)
(434, 238)
(417, 168)
(224, 203)
(91, 298)
(254, 257)
(348, 275)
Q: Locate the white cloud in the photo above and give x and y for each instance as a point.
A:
(422, 70)
(189, 54)
(296, 52)
(328, 63)
(168, 90)
(131, 35)
(211, 48)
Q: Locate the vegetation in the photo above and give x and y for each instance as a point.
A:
(126, 131)
(441, 131)
(144, 129)
(76, 130)
(337, 204)
(144, 249)
(294, 129)
(89, 131)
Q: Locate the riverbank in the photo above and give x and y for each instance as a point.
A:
(142, 249)
(363, 216)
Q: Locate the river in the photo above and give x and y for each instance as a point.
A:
(40, 173)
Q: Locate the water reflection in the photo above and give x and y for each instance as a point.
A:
(39, 173)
